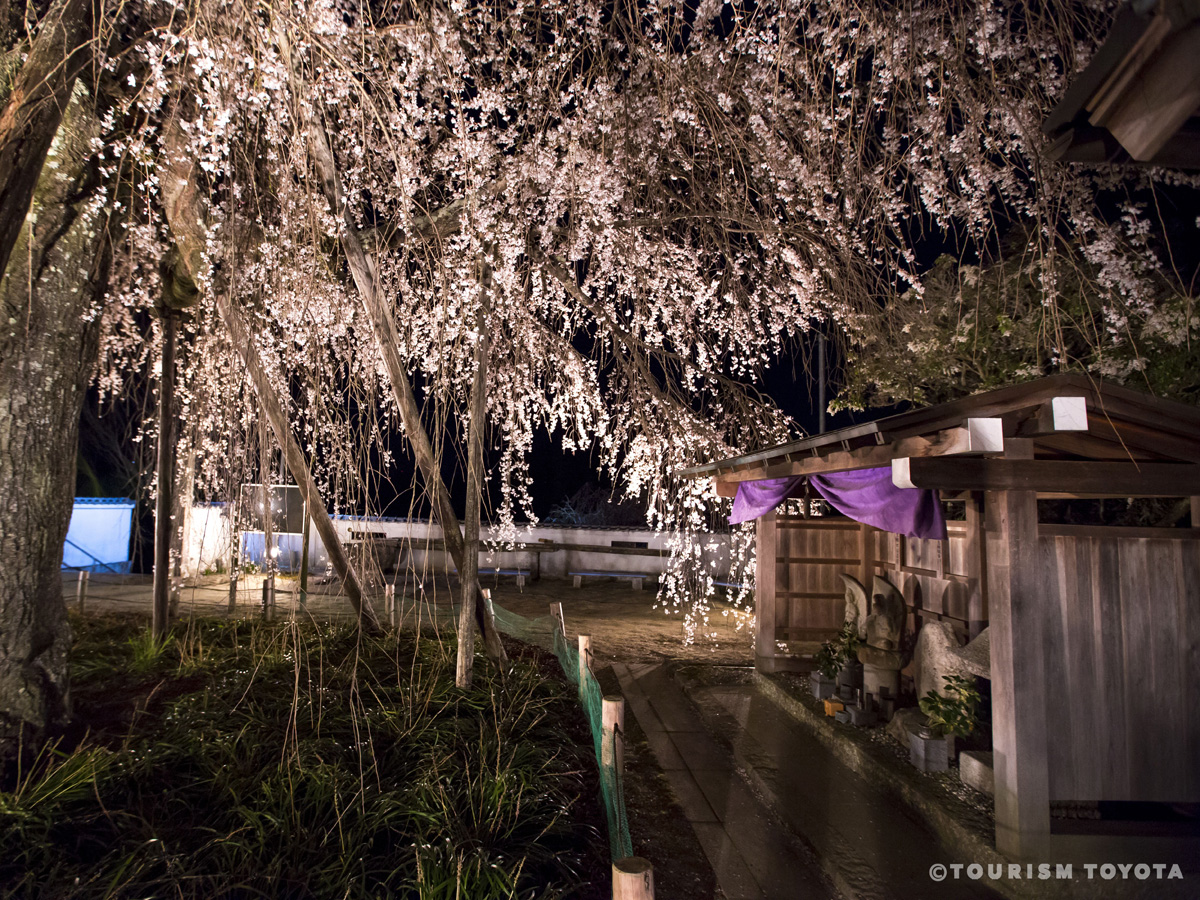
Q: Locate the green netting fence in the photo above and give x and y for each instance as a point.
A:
(545, 631)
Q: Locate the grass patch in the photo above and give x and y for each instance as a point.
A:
(241, 759)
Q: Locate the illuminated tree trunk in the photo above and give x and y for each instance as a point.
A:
(51, 295)
(468, 572)
(34, 110)
(386, 338)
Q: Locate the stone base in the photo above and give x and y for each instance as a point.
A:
(975, 770)
(822, 687)
(772, 664)
(861, 717)
(875, 678)
(928, 754)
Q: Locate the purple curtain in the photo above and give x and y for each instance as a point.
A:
(868, 495)
(757, 498)
(865, 495)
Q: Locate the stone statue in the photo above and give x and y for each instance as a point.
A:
(856, 604)
(882, 657)
(885, 625)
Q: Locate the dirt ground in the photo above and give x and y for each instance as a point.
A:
(623, 623)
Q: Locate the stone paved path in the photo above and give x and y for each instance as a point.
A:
(762, 768)
(752, 856)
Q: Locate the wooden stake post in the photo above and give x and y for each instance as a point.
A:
(585, 661)
(612, 733)
(559, 622)
(633, 879)
(81, 588)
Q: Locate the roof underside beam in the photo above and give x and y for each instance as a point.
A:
(1054, 477)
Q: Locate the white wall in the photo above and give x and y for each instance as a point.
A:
(99, 533)
(208, 542)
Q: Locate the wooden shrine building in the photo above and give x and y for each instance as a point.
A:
(1094, 631)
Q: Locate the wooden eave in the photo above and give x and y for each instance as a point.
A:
(1136, 101)
(1128, 444)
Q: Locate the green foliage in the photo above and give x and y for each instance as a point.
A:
(973, 328)
(955, 713)
(302, 761)
(835, 653)
(149, 653)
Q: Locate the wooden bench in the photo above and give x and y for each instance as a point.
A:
(638, 578)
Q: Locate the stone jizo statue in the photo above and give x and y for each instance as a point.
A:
(881, 656)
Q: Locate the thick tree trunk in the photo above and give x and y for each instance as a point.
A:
(49, 331)
(469, 571)
(35, 109)
(362, 270)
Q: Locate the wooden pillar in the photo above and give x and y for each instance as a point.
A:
(1195, 504)
(764, 592)
(867, 535)
(161, 609)
(977, 611)
(633, 879)
(1019, 689)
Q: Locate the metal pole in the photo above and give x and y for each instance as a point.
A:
(304, 560)
(161, 610)
(820, 384)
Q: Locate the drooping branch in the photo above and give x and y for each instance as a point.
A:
(364, 272)
(185, 217)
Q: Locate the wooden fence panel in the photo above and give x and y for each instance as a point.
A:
(813, 553)
(1122, 653)
(809, 592)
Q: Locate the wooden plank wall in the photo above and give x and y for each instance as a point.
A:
(812, 553)
(1122, 641)
(809, 594)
